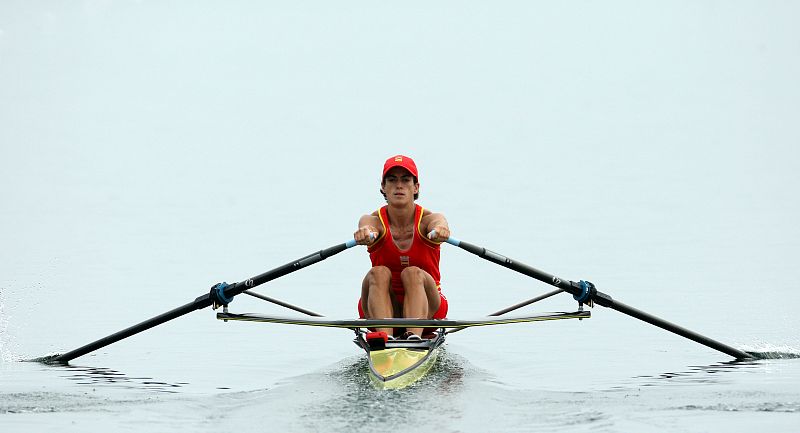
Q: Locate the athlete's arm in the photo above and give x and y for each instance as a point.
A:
(369, 229)
(436, 227)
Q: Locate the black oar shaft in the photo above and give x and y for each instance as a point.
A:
(565, 285)
(238, 288)
(598, 297)
(205, 301)
(199, 303)
(671, 327)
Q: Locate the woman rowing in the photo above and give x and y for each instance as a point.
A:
(403, 242)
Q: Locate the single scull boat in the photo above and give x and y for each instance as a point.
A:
(397, 363)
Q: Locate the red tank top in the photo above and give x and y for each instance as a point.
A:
(423, 252)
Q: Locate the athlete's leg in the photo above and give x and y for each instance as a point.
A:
(376, 296)
(422, 297)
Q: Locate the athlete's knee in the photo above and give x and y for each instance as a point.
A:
(378, 279)
(379, 274)
(412, 276)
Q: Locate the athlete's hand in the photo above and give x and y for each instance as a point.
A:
(365, 235)
(440, 233)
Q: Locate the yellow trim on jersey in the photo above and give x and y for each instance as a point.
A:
(382, 235)
(424, 236)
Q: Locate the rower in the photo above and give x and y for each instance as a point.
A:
(403, 241)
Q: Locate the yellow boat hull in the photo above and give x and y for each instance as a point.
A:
(398, 368)
(396, 364)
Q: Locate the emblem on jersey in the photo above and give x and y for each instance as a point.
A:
(404, 261)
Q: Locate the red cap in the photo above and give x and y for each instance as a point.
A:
(400, 161)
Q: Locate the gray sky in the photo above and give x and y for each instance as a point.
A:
(179, 103)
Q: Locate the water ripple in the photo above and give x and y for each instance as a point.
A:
(790, 407)
(108, 377)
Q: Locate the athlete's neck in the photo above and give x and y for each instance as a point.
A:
(402, 215)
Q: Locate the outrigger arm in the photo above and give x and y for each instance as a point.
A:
(585, 292)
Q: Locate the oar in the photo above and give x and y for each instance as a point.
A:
(586, 292)
(219, 294)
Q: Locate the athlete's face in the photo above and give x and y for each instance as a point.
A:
(399, 185)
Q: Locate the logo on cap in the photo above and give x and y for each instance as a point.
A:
(400, 161)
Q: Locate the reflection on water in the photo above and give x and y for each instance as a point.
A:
(97, 390)
(83, 375)
(701, 373)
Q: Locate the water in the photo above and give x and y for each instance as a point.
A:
(151, 150)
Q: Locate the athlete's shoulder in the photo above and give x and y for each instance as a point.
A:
(372, 215)
(429, 214)
(371, 220)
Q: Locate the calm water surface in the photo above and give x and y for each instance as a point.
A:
(149, 151)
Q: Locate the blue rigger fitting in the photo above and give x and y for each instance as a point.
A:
(586, 292)
(218, 292)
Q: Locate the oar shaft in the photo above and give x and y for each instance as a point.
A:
(598, 297)
(671, 327)
(565, 285)
(237, 288)
(199, 303)
(205, 301)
